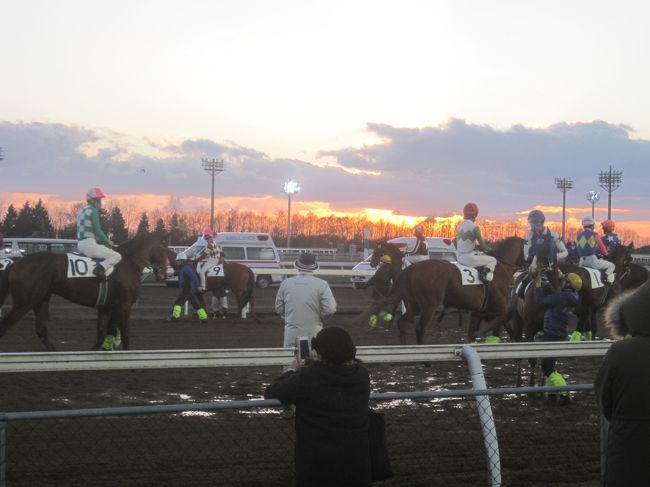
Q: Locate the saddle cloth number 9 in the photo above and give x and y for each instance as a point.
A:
(217, 271)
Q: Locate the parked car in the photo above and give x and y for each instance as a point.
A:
(439, 248)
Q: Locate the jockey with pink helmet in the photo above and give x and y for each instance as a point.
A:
(468, 235)
(92, 241)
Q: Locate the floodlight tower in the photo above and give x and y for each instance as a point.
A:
(290, 188)
(610, 181)
(1, 154)
(564, 185)
(213, 166)
(592, 197)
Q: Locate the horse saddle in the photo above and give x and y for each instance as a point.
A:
(5, 263)
(217, 271)
(470, 276)
(596, 276)
(81, 266)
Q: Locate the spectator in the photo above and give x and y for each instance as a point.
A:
(623, 390)
(331, 396)
(303, 301)
(556, 322)
(188, 283)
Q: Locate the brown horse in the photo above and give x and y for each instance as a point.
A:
(239, 280)
(593, 300)
(428, 284)
(34, 278)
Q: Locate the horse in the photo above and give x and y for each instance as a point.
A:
(238, 279)
(393, 251)
(593, 300)
(33, 279)
(428, 284)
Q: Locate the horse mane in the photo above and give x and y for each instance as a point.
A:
(135, 245)
(500, 248)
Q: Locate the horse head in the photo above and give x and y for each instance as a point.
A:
(621, 256)
(390, 249)
(509, 251)
(148, 250)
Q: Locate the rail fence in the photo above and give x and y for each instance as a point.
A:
(479, 436)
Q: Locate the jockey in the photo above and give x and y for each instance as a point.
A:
(541, 241)
(611, 239)
(420, 250)
(92, 241)
(590, 245)
(468, 234)
(209, 256)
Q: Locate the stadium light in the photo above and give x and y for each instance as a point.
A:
(592, 197)
(564, 185)
(610, 181)
(290, 188)
(213, 166)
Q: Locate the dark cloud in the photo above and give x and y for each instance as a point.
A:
(425, 171)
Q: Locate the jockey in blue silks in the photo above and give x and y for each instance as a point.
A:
(610, 237)
(541, 241)
(590, 245)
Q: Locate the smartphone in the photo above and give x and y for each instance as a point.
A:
(304, 348)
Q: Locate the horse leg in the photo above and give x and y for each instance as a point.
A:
(103, 320)
(42, 314)
(425, 316)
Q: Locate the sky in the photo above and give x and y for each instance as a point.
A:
(410, 108)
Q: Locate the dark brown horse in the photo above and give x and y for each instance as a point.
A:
(393, 251)
(428, 284)
(239, 280)
(593, 300)
(34, 278)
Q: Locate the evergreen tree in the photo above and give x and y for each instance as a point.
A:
(117, 225)
(41, 220)
(160, 225)
(176, 234)
(9, 223)
(25, 226)
(143, 226)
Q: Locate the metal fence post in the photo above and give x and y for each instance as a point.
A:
(490, 440)
(3, 453)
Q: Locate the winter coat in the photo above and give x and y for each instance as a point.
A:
(187, 277)
(556, 316)
(623, 391)
(331, 422)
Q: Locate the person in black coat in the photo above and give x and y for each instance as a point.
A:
(623, 390)
(331, 395)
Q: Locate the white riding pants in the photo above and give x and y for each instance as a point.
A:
(204, 267)
(416, 258)
(90, 248)
(477, 259)
(600, 264)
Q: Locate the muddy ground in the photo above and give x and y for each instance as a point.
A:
(431, 442)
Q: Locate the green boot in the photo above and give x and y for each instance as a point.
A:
(492, 339)
(203, 316)
(386, 316)
(589, 336)
(176, 312)
(117, 339)
(108, 343)
(372, 321)
(576, 336)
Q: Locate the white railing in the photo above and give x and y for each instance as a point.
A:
(157, 359)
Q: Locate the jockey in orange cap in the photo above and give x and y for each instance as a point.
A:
(92, 241)
(468, 234)
(420, 250)
(610, 237)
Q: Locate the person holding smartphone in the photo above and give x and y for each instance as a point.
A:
(331, 393)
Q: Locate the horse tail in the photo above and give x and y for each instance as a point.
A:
(4, 284)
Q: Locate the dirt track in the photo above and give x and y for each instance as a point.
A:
(540, 445)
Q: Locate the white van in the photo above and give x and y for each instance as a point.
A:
(253, 249)
(439, 248)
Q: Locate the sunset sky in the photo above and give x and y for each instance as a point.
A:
(407, 108)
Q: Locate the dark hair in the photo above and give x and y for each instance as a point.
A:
(334, 345)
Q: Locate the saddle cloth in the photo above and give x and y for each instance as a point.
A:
(216, 271)
(596, 277)
(81, 266)
(4, 263)
(469, 275)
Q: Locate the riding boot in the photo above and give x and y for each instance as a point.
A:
(100, 272)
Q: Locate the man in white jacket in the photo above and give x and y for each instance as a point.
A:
(303, 301)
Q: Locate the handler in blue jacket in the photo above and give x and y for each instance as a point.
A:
(188, 283)
(556, 321)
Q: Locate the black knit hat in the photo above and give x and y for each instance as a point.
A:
(306, 262)
(628, 313)
(334, 345)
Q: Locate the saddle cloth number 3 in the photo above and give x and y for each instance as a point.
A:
(79, 266)
(469, 275)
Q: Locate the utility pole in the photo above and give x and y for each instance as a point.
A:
(610, 181)
(213, 166)
(564, 185)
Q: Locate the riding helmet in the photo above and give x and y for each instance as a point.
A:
(94, 194)
(208, 232)
(575, 280)
(588, 222)
(536, 217)
(470, 210)
(608, 225)
(386, 259)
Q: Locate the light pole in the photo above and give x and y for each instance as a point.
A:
(213, 166)
(609, 181)
(290, 188)
(593, 196)
(564, 185)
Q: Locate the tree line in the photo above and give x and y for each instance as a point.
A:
(307, 230)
